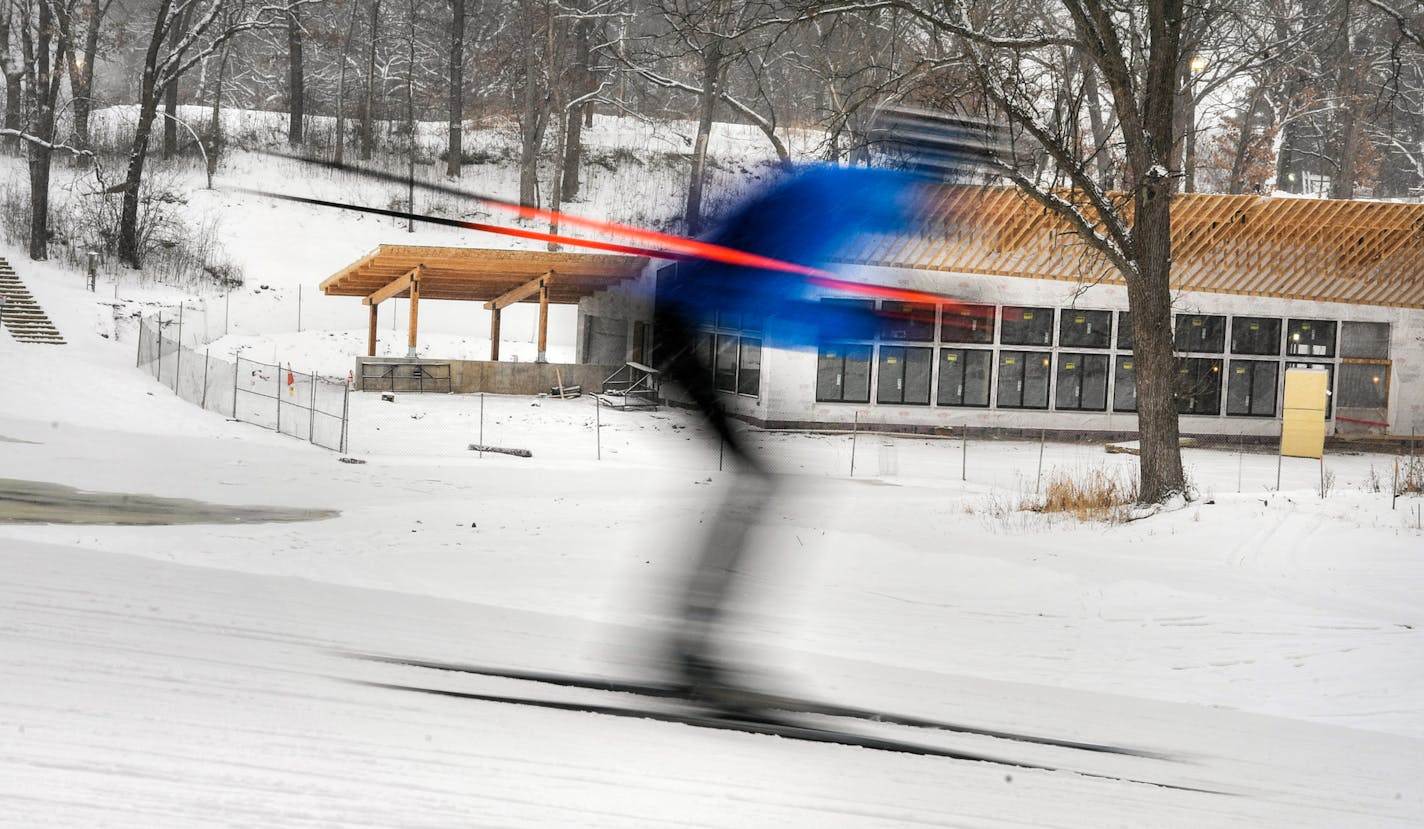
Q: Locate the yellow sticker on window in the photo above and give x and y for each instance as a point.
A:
(1196, 321)
(1305, 327)
(890, 361)
(1240, 371)
(1080, 320)
(1127, 366)
(1028, 315)
(1008, 361)
(951, 357)
(1255, 326)
(1069, 366)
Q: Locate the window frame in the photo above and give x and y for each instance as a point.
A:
(1083, 358)
(1022, 372)
(963, 372)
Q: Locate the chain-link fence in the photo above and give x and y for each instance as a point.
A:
(302, 405)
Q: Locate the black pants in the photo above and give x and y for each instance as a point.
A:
(724, 550)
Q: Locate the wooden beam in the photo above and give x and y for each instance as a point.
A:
(544, 316)
(494, 335)
(371, 334)
(522, 292)
(393, 288)
(414, 310)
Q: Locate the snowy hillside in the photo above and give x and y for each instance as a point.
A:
(1267, 640)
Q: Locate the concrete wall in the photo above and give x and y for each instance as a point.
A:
(467, 376)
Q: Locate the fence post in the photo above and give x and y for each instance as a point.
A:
(236, 366)
(964, 457)
(854, 427)
(1042, 438)
(597, 427)
(158, 350)
(345, 415)
(311, 424)
(482, 419)
(178, 357)
(279, 398)
(207, 360)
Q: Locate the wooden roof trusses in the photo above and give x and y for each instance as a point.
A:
(1295, 248)
(498, 278)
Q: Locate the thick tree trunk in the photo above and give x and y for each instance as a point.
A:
(572, 158)
(573, 155)
(296, 78)
(367, 114)
(81, 76)
(129, 252)
(711, 75)
(170, 121)
(1150, 300)
(13, 97)
(215, 136)
(454, 150)
(531, 122)
(39, 202)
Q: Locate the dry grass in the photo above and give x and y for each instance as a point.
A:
(1409, 476)
(1092, 494)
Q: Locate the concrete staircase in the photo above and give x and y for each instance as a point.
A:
(21, 315)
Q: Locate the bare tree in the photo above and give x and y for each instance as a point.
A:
(45, 39)
(88, 19)
(1136, 49)
(296, 78)
(205, 25)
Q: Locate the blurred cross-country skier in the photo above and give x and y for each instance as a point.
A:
(809, 218)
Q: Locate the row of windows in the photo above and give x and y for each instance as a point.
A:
(1093, 329)
(1073, 381)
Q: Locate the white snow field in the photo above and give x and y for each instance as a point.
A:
(1269, 641)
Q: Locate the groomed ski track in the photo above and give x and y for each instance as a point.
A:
(144, 693)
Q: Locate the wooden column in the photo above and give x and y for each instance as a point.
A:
(494, 335)
(543, 319)
(371, 333)
(414, 310)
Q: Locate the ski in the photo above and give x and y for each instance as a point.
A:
(783, 729)
(774, 702)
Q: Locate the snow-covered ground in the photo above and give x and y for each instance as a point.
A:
(192, 675)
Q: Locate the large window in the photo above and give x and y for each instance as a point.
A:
(963, 377)
(1124, 330)
(910, 321)
(856, 323)
(1367, 340)
(1255, 335)
(1198, 386)
(1251, 388)
(843, 373)
(749, 367)
(904, 376)
(1026, 326)
(1311, 338)
(1023, 379)
(724, 367)
(1084, 329)
(1125, 384)
(968, 324)
(1082, 382)
(1200, 333)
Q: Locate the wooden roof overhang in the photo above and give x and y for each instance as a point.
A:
(1358, 252)
(498, 278)
(476, 275)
